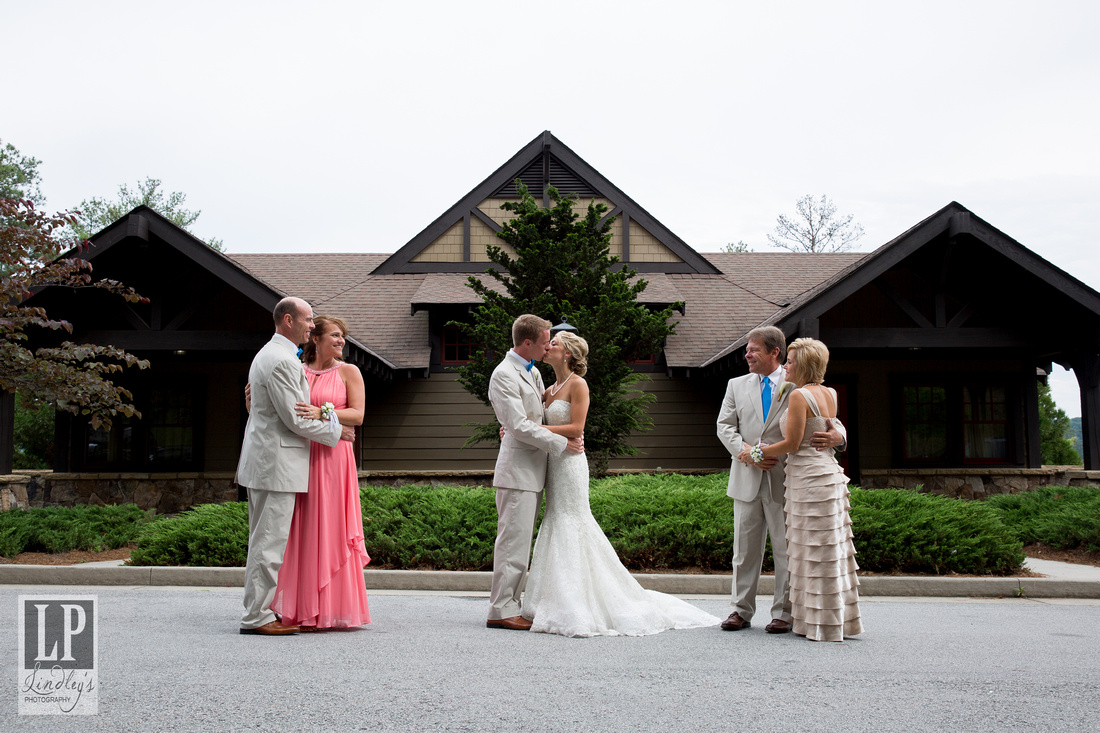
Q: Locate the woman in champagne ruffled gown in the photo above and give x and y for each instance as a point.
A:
(577, 586)
(820, 554)
(321, 581)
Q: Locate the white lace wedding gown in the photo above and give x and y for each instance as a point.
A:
(577, 586)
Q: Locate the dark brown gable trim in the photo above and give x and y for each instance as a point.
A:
(552, 161)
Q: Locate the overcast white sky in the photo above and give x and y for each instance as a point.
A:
(350, 126)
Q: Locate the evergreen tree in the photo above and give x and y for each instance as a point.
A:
(1054, 430)
(562, 269)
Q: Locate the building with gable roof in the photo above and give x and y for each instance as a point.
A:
(938, 339)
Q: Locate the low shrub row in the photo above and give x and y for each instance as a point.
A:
(1065, 518)
(64, 529)
(654, 522)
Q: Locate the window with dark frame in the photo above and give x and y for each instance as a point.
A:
(457, 346)
(961, 424)
(985, 424)
(924, 429)
(163, 439)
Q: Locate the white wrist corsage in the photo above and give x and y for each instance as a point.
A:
(327, 411)
(756, 453)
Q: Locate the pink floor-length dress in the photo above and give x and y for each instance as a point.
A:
(321, 580)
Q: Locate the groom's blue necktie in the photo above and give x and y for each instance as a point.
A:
(530, 364)
(766, 396)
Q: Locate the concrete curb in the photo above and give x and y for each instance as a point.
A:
(456, 581)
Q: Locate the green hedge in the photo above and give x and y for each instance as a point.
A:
(654, 522)
(63, 529)
(211, 535)
(1065, 518)
(905, 532)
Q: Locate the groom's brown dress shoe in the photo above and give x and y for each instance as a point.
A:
(778, 626)
(516, 623)
(273, 628)
(735, 623)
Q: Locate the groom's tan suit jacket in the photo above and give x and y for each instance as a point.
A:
(741, 423)
(275, 452)
(516, 396)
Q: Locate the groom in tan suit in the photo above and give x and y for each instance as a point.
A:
(515, 391)
(274, 463)
(750, 415)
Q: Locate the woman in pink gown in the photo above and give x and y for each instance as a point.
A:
(321, 581)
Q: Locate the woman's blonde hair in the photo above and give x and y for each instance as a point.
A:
(320, 325)
(811, 357)
(577, 348)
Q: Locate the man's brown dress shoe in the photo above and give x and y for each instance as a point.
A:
(273, 628)
(516, 623)
(735, 623)
(778, 626)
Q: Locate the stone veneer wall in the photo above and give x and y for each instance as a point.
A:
(167, 493)
(977, 483)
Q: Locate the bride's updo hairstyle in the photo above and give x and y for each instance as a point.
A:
(321, 324)
(577, 348)
(810, 359)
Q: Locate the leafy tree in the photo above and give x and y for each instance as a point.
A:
(19, 177)
(562, 269)
(739, 247)
(33, 434)
(815, 228)
(100, 212)
(71, 377)
(1057, 449)
(1076, 433)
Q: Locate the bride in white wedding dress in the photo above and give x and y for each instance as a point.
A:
(577, 586)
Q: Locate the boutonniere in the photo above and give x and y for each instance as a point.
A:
(783, 390)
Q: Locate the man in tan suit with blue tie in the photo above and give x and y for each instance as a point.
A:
(515, 391)
(274, 463)
(750, 414)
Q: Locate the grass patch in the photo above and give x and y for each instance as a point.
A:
(1062, 517)
(64, 529)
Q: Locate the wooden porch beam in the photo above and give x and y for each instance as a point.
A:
(172, 340)
(902, 302)
(1086, 368)
(926, 338)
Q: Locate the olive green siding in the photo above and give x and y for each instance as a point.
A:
(420, 424)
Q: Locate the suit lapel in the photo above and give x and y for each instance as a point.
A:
(755, 399)
(779, 396)
(528, 378)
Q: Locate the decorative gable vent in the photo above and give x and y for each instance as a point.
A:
(559, 177)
